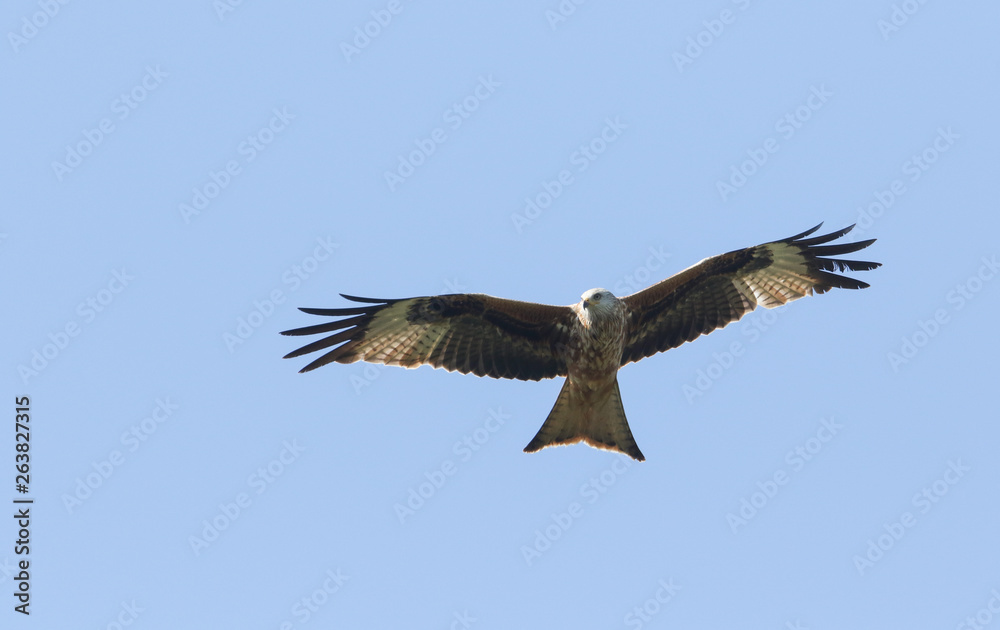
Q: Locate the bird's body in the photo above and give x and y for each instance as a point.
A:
(596, 343)
(589, 407)
(587, 342)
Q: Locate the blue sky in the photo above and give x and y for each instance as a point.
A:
(179, 178)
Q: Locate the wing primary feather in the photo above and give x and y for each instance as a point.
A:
(324, 328)
(825, 281)
(837, 264)
(818, 240)
(836, 250)
(859, 265)
(338, 312)
(321, 344)
(365, 300)
(807, 233)
(331, 356)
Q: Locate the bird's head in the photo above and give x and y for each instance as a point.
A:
(598, 301)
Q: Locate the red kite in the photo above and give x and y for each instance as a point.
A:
(586, 342)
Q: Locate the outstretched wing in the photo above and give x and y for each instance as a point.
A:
(722, 289)
(476, 333)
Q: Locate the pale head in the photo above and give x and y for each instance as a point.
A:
(598, 301)
(601, 313)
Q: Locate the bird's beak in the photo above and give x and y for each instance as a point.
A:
(586, 303)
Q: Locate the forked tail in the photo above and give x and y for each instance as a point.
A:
(596, 418)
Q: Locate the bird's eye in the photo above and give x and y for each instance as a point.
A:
(597, 297)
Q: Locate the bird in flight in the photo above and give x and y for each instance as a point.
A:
(586, 342)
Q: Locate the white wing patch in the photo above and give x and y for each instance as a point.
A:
(381, 343)
(786, 279)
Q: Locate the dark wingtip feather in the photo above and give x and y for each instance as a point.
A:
(331, 356)
(836, 264)
(839, 248)
(354, 320)
(818, 240)
(312, 366)
(323, 343)
(336, 312)
(814, 250)
(325, 328)
(364, 300)
(806, 233)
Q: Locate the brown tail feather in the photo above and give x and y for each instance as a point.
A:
(595, 418)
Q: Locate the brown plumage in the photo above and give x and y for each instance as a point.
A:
(587, 342)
